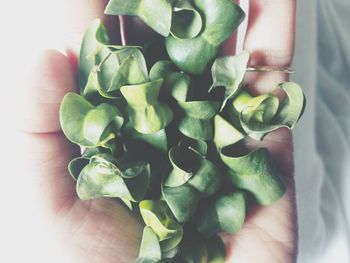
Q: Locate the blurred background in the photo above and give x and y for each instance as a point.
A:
(322, 139)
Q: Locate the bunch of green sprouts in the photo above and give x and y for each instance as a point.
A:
(167, 139)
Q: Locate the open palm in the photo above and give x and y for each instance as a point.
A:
(104, 230)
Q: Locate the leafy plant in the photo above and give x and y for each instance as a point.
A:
(166, 145)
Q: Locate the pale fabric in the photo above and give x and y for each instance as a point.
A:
(322, 139)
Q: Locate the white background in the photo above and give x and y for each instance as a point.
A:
(26, 27)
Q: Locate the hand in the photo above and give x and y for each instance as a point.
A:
(104, 230)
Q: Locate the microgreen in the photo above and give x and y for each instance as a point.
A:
(166, 145)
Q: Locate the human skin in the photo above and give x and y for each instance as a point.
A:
(104, 230)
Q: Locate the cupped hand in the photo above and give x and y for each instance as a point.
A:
(104, 230)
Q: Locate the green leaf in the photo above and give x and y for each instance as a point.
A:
(221, 18)
(73, 110)
(229, 72)
(95, 37)
(203, 110)
(255, 173)
(293, 106)
(150, 251)
(196, 119)
(182, 200)
(262, 114)
(146, 113)
(207, 179)
(76, 165)
(123, 67)
(86, 125)
(185, 162)
(176, 84)
(216, 250)
(187, 21)
(196, 129)
(137, 178)
(104, 68)
(132, 69)
(104, 178)
(196, 249)
(157, 215)
(190, 167)
(161, 69)
(158, 139)
(193, 177)
(98, 119)
(146, 260)
(226, 213)
(156, 14)
(94, 90)
(225, 133)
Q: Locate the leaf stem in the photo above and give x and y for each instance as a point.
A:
(270, 69)
(195, 151)
(98, 67)
(122, 25)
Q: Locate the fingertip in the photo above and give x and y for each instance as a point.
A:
(50, 77)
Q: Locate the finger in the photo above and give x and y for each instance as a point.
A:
(46, 150)
(48, 80)
(270, 40)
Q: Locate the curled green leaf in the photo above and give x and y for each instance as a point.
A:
(226, 213)
(132, 69)
(255, 173)
(157, 215)
(192, 178)
(194, 54)
(194, 117)
(150, 251)
(156, 14)
(119, 68)
(158, 140)
(76, 165)
(104, 68)
(182, 200)
(184, 162)
(187, 21)
(98, 120)
(146, 113)
(196, 248)
(229, 72)
(216, 250)
(262, 114)
(105, 177)
(86, 125)
(94, 49)
(196, 120)
(225, 133)
(176, 84)
(94, 38)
